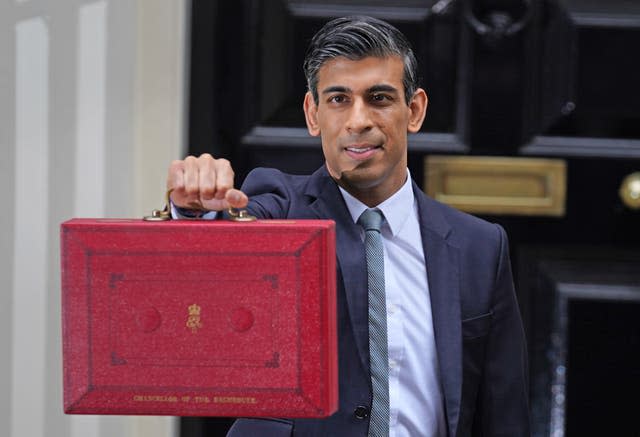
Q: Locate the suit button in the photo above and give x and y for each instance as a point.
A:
(361, 412)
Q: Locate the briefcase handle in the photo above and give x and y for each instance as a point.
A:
(161, 215)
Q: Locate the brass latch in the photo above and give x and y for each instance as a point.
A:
(630, 190)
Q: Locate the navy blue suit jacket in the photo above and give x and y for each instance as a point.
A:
(478, 329)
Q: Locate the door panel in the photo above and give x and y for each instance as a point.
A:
(582, 314)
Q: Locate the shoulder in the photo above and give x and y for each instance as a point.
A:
(263, 180)
(275, 194)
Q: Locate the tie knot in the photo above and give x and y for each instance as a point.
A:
(371, 219)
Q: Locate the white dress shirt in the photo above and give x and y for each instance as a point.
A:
(415, 394)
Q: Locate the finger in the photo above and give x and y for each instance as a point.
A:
(191, 179)
(224, 178)
(215, 204)
(236, 198)
(175, 180)
(233, 199)
(206, 177)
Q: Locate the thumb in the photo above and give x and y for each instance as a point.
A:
(236, 198)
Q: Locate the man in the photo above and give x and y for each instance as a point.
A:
(454, 361)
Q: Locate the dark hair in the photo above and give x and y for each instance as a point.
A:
(355, 38)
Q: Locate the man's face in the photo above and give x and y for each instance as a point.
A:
(363, 120)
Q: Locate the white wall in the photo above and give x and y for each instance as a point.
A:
(91, 114)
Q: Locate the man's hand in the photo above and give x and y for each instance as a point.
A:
(204, 183)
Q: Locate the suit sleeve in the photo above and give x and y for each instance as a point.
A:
(269, 193)
(503, 398)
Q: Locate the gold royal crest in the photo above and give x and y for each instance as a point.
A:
(193, 321)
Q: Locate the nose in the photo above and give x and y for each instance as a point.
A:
(359, 119)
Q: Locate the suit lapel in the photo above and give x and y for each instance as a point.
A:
(327, 202)
(442, 260)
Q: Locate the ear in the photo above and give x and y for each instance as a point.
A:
(417, 110)
(311, 114)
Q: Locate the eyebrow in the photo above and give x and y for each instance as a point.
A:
(336, 89)
(373, 89)
(382, 88)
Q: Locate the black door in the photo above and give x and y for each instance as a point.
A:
(519, 79)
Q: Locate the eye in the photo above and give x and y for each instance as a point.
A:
(338, 98)
(381, 98)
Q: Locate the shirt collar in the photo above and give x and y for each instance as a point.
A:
(396, 209)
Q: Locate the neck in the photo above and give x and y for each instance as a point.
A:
(374, 195)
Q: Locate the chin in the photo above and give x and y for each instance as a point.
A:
(361, 179)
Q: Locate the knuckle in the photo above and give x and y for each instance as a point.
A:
(175, 168)
(206, 187)
(207, 190)
(176, 185)
(224, 186)
(191, 190)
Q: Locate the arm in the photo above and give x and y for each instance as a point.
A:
(503, 397)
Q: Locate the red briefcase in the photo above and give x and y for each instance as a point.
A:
(199, 318)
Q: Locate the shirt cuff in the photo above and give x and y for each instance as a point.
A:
(189, 214)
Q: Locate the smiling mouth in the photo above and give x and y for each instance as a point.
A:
(361, 150)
